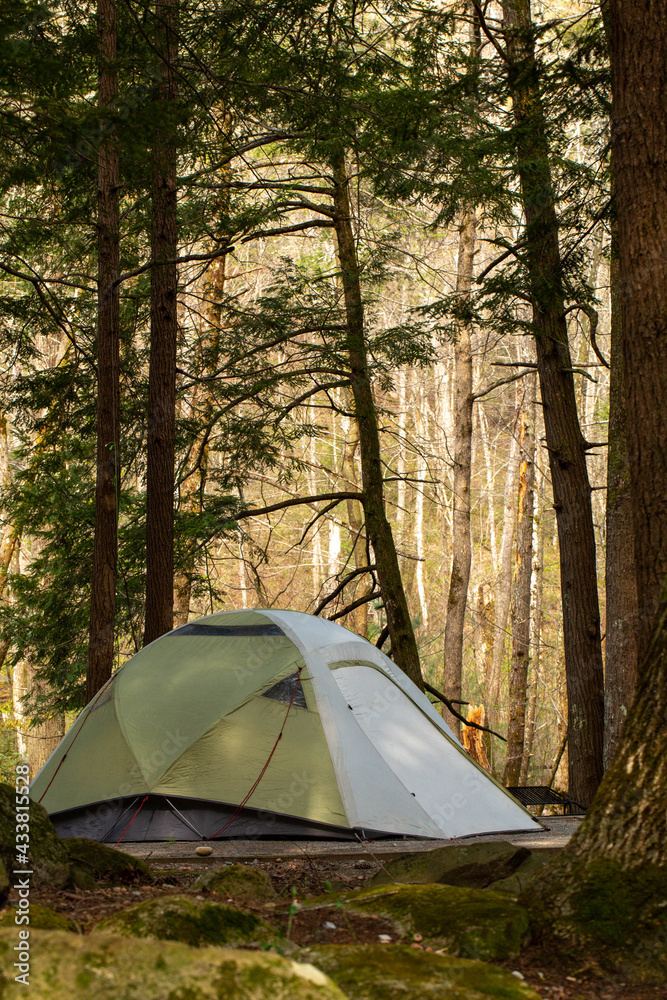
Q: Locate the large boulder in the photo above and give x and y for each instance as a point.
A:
(470, 923)
(473, 865)
(376, 972)
(100, 862)
(48, 857)
(42, 918)
(237, 880)
(196, 922)
(104, 967)
(516, 883)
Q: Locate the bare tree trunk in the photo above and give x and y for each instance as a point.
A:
(162, 367)
(316, 539)
(461, 541)
(535, 626)
(504, 585)
(105, 549)
(566, 444)
(421, 549)
(520, 617)
(622, 621)
(378, 529)
(484, 434)
(359, 617)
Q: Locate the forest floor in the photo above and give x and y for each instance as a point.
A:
(296, 878)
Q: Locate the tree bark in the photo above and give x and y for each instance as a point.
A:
(379, 532)
(358, 618)
(162, 365)
(461, 541)
(504, 585)
(107, 487)
(520, 617)
(535, 624)
(621, 629)
(622, 840)
(565, 442)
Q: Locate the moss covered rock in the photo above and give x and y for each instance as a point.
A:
(396, 972)
(195, 922)
(104, 967)
(48, 857)
(42, 918)
(237, 880)
(471, 923)
(473, 865)
(101, 862)
(518, 881)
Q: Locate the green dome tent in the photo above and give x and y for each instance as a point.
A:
(266, 724)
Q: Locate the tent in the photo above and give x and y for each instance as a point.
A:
(266, 724)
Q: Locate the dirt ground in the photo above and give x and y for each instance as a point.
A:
(296, 878)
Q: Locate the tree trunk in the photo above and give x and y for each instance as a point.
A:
(461, 542)
(621, 843)
(378, 529)
(504, 585)
(358, 619)
(484, 434)
(565, 442)
(105, 547)
(535, 624)
(620, 576)
(162, 366)
(520, 617)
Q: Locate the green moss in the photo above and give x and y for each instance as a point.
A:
(194, 922)
(48, 857)
(599, 908)
(41, 918)
(609, 900)
(474, 923)
(396, 972)
(237, 880)
(105, 967)
(102, 862)
(80, 878)
(516, 882)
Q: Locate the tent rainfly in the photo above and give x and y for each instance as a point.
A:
(266, 724)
